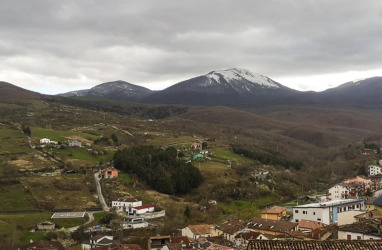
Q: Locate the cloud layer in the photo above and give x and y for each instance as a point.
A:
(57, 46)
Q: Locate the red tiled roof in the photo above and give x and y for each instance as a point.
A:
(274, 210)
(181, 239)
(312, 225)
(144, 206)
(317, 245)
(200, 229)
(129, 247)
(43, 245)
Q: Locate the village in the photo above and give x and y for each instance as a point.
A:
(347, 212)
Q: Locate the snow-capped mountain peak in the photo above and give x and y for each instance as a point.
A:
(238, 75)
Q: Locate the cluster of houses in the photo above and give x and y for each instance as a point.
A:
(325, 222)
(135, 213)
(354, 187)
(69, 143)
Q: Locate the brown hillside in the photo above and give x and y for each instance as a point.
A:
(11, 93)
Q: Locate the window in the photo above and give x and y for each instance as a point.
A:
(348, 237)
(314, 213)
(296, 211)
(296, 220)
(318, 219)
(358, 237)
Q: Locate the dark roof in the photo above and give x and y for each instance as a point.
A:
(369, 227)
(378, 201)
(333, 230)
(248, 235)
(232, 226)
(127, 199)
(316, 245)
(219, 240)
(105, 241)
(43, 245)
(271, 225)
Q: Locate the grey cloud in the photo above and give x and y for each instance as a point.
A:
(152, 41)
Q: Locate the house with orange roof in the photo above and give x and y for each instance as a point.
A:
(309, 226)
(111, 173)
(274, 213)
(197, 231)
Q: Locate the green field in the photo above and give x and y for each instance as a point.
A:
(248, 209)
(23, 222)
(13, 197)
(68, 223)
(99, 216)
(13, 141)
(35, 236)
(124, 178)
(59, 135)
(77, 153)
(227, 155)
(58, 192)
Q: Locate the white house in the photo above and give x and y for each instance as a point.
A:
(363, 230)
(44, 141)
(197, 231)
(338, 192)
(326, 212)
(132, 223)
(98, 241)
(374, 170)
(123, 204)
(141, 209)
(74, 143)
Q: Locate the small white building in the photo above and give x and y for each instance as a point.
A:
(74, 143)
(326, 212)
(148, 208)
(338, 192)
(44, 141)
(132, 223)
(374, 170)
(123, 204)
(98, 241)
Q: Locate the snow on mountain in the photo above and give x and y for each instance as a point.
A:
(235, 75)
(224, 87)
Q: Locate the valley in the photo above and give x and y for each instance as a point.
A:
(38, 180)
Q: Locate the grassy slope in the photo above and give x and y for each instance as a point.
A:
(13, 197)
(59, 135)
(44, 190)
(13, 141)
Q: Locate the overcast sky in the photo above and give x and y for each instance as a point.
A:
(59, 46)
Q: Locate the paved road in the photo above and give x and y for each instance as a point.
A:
(99, 193)
(91, 219)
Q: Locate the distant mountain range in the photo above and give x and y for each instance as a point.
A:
(231, 87)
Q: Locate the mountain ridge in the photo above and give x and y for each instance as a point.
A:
(119, 90)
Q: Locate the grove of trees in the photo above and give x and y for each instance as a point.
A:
(159, 168)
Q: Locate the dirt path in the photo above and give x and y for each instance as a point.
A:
(99, 192)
